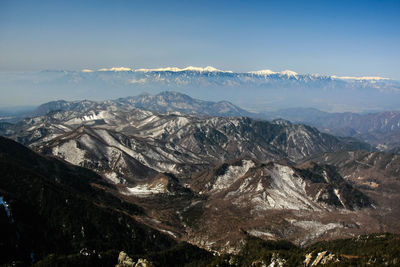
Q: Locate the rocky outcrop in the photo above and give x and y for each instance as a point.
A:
(143, 263)
(125, 261)
(323, 257)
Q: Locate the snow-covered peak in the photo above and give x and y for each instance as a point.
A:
(190, 68)
(367, 78)
(232, 174)
(270, 72)
(210, 69)
(288, 73)
(263, 72)
(116, 69)
(87, 70)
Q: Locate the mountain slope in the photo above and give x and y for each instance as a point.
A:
(360, 165)
(164, 102)
(170, 101)
(115, 138)
(274, 201)
(376, 174)
(381, 129)
(378, 129)
(60, 208)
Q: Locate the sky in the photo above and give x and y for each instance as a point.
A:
(344, 38)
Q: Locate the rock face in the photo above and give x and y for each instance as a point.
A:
(320, 258)
(143, 263)
(276, 261)
(124, 260)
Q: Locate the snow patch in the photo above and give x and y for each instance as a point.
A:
(90, 116)
(169, 232)
(137, 81)
(232, 174)
(368, 78)
(116, 69)
(190, 68)
(325, 175)
(263, 72)
(288, 73)
(146, 189)
(270, 72)
(339, 197)
(113, 177)
(5, 205)
(287, 191)
(315, 229)
(258, 233)
(87, 70)
(70, 152)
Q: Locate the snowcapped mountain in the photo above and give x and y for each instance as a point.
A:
(255, 90)
(190, 68)
(210, 69)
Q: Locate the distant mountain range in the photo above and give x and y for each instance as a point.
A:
(164, 102)
(256, 90)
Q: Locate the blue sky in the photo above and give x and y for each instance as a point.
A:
(355, 38)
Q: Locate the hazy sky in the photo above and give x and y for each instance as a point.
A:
(357, 38)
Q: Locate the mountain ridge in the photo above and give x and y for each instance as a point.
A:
(265, 91)
(168, 142)
(264, 72)
(380, 129)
